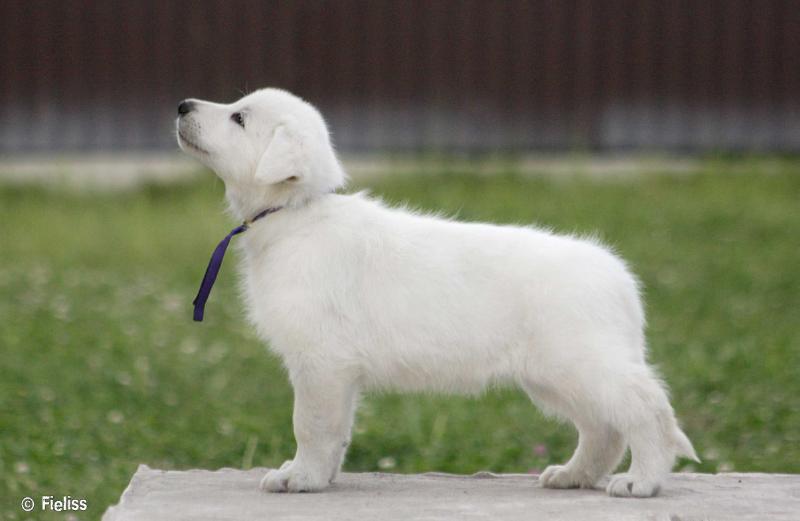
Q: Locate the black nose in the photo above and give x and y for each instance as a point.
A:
(185, 107)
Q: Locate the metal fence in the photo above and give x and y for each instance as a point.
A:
(411, 74)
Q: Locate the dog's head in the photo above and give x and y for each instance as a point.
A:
(270, 148)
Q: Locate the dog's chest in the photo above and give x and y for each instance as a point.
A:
(286, 288)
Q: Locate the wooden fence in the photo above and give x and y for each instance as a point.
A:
(462, 75)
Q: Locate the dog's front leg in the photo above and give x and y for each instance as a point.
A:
(324, 405)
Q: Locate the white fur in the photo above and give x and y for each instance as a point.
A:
(356, 296)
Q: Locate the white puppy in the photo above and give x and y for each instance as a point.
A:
(356, 296)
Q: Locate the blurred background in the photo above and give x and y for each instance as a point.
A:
(411, 75)
(670, 129)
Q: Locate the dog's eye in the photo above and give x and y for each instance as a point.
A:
(238, 118)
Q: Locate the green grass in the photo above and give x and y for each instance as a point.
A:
(101, 367)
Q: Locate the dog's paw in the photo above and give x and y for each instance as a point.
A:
(561, 476)
(628, 485)
(288, 478)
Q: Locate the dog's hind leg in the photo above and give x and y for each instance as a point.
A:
(600, 445)
(324, 407)
(653, 433)
(600, 449)
(611, 404)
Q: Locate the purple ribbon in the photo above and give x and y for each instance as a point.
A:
(216, 262)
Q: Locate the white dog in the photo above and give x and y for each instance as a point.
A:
(356, 296)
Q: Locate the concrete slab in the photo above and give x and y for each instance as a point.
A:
(228, 495)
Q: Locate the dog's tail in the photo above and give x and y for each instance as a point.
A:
(672, 437)
(683, 447)
(671, 432)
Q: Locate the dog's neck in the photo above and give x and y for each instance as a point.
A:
(289, 222)
(246, 200)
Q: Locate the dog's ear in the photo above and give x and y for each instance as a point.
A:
(284, 159)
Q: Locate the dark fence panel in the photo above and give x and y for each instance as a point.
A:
(411, 74)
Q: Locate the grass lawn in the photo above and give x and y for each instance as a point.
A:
(101, 367)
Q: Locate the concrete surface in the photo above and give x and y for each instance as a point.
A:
(228, 494)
